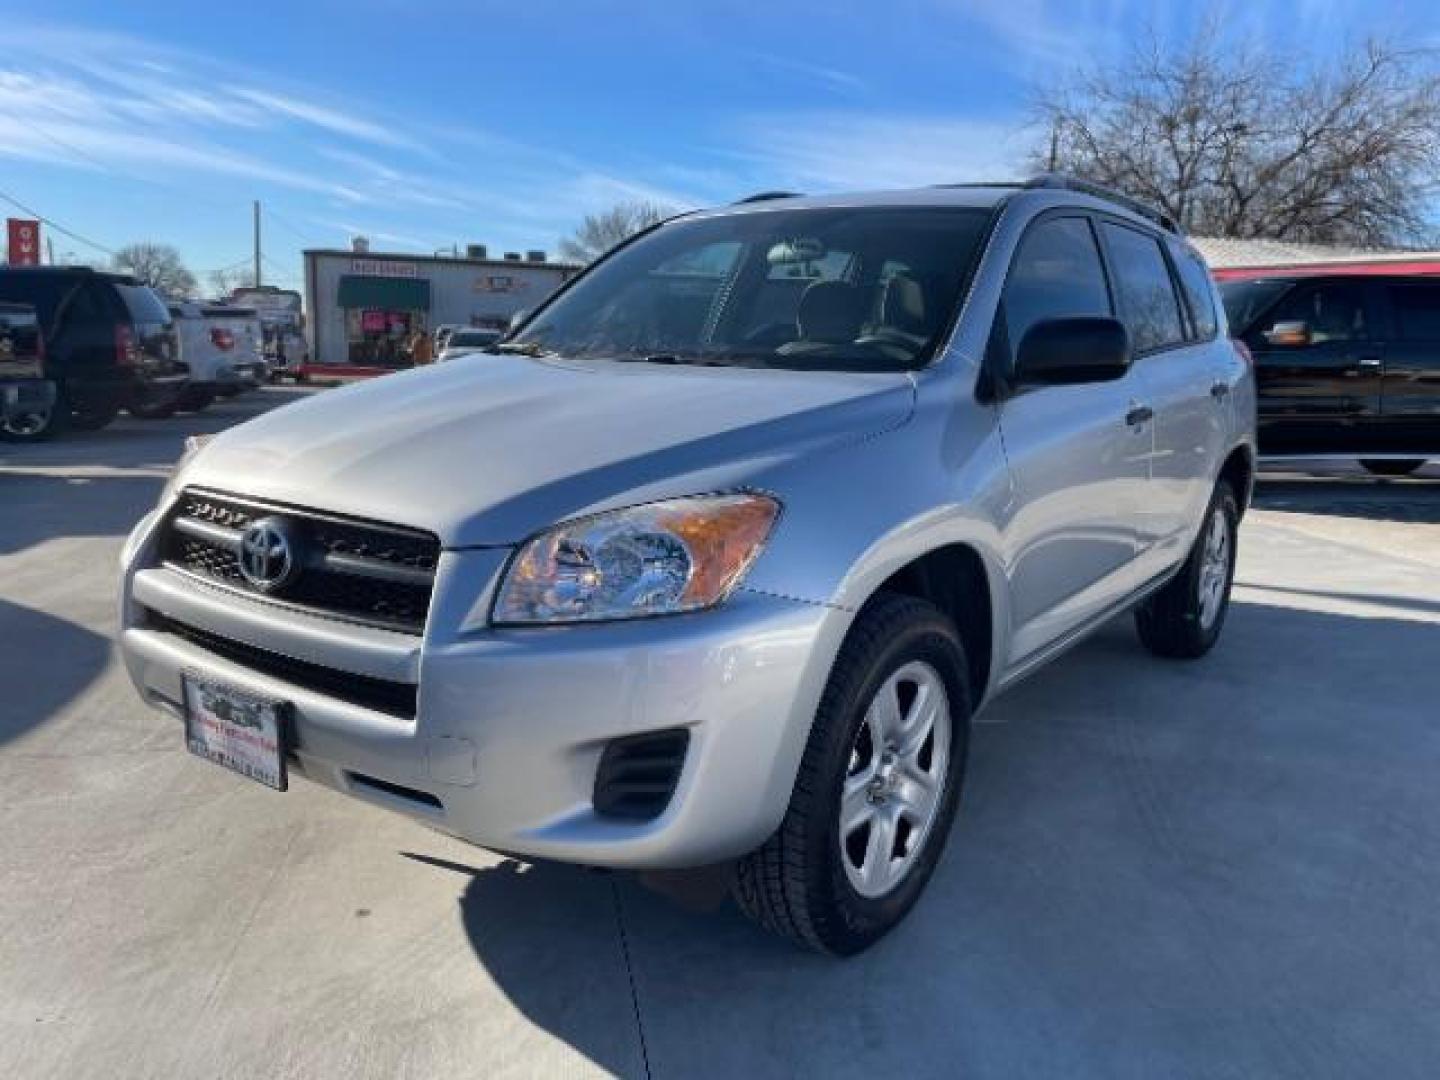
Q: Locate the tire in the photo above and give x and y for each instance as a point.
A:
(38, 426)
(195, 400)
(804, 882)
(1179, 622)
(1392, 466)
(154, 412)
(93, 417)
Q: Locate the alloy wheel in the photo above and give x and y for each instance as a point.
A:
(1214, 568)
(895, 780)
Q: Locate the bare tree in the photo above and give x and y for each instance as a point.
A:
(157, 265)
(1233, 143)
(227, 279)
(601, 232)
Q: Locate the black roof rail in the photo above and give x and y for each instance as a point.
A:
(1061, 182)
(766, 196)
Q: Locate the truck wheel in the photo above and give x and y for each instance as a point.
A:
(877, 788)
(196, 400)
(154, 412)
(1391, 467)
(1182, 621)
(93, 416)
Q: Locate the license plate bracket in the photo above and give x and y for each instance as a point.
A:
(237, 730)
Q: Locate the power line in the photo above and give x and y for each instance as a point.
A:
(56, 225)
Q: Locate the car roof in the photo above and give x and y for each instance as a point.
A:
(1300, 274)
(72, 271)
(1040, 194)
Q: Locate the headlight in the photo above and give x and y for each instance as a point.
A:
(659, 559)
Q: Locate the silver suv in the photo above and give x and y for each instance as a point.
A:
(718, 555)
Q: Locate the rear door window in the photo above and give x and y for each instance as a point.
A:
(1144, 288)
(1417, 312)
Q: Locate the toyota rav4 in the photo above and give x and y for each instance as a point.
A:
(719, 555)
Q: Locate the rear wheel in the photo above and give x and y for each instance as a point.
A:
(1391, 466)
(196, 400)
(93, 415)
(1183, 620)
(878, 785)
(154, 412)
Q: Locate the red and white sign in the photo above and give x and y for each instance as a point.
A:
(24, 242)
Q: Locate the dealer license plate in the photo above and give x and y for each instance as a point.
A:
(233, 729)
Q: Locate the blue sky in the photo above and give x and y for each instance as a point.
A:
(422, 123)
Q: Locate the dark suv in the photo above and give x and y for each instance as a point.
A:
(109, 341)
(1348, 365)
(25, 396)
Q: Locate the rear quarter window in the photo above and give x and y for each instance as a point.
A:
(142, 304)
(1195, 284)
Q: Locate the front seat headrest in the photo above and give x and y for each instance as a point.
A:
(902, 305)
(830, 312)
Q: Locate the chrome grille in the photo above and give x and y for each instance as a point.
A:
(362, 571)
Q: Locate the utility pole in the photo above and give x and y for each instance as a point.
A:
(257, 243)
(50, 248)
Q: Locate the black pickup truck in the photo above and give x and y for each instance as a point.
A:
(1347, 366)
(26, 398)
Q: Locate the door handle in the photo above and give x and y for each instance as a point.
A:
(1220, 391)
(1139, 414)
(1369, 361)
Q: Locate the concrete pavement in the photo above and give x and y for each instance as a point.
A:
(1226, 868)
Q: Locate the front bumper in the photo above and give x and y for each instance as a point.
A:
(510, 725)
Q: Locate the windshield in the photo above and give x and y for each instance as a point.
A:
(142, 303)
(841, 289)
(1245, 300)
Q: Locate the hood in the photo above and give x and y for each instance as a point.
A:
(490, 451)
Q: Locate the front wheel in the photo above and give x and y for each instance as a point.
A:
(1182, 621)
(878, 785)
(1391, 466)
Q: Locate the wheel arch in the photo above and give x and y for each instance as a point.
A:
(1239, 470)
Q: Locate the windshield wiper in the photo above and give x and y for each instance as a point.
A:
(518, 348)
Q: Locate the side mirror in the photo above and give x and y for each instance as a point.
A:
(1290, 335)
(1057, 352)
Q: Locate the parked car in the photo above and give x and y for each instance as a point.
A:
(26, 396)
(109, 343)
(719, 555)
(463, 342)
(1348, 366)
(220, 346)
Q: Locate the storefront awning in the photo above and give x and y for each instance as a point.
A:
(388, 293)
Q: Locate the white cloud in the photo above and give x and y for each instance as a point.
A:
(832, 151)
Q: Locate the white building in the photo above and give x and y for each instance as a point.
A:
(363, 306)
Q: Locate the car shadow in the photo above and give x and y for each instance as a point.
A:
(1160, 868)
(45, 662)
(130, 443)
(37, 507)
(1412, 499)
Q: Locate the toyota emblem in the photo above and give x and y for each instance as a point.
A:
(269, 558)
